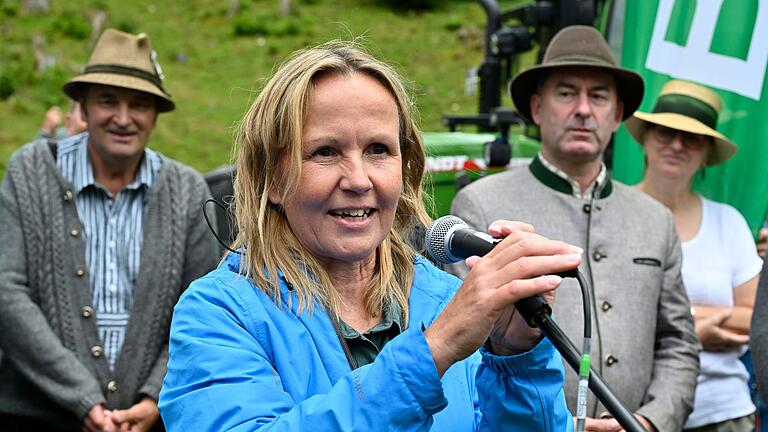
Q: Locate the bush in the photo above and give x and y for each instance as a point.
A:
(417, 5)
(126, 25)
(248, 25)
(9, 7)
(73, 25)
(7, 87)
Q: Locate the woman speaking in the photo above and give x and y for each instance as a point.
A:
(327, 319)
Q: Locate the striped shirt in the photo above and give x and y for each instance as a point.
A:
(112, 230)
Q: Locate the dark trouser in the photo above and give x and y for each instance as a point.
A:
(14, 423)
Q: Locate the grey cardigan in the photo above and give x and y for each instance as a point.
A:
(643, 340)
(50, 369)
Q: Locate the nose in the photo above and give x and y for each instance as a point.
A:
(355, 178)
(583, 109)
(122, 115)
(677, 143)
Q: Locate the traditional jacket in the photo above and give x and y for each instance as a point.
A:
(643, 340)
(53, 366)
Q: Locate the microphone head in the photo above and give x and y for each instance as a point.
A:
(438, 237)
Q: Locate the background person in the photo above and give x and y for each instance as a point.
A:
(54, 130)
(327, 319)
(643, 345)
(720, 266)
(100, 236)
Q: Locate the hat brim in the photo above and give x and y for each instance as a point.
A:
(628, 83)
(724, 148)
(73, 88)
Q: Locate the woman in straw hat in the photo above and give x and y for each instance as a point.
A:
(720, 264)
(326, 318)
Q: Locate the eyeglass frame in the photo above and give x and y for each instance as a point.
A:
(690, 140)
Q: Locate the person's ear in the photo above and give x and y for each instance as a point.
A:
(536, 108)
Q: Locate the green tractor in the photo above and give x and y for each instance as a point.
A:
(503, 138)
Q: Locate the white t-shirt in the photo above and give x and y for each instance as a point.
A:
(720, 257)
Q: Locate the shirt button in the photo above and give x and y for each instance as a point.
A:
(597, 255)
(112, 288)
(79, 272)
(587, 208)
(606, 306)
(86, 311)
(74, 232)
(97, 351)
(112, 386)
(67, 195)
(610, 360)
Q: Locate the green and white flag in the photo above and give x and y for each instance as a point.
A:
(722, 44)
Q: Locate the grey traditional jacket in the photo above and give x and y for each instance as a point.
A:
(759, 333)
(643, 340)
(53, 366)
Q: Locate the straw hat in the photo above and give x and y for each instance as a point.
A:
(580, 46)
(123, 60)
(690, 108)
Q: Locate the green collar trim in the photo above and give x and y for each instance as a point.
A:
(554, 181)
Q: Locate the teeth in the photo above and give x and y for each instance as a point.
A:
(353, 213)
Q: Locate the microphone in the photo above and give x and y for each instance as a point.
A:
(449, 239)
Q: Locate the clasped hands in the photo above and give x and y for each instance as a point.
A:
(138, 418)
(520, 266)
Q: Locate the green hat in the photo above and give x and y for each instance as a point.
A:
(577, 46)
(123, 60)
(690, 108)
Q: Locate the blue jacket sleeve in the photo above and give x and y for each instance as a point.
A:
(525, 391)
(220, 378)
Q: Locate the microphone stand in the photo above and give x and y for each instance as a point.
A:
(537, 313)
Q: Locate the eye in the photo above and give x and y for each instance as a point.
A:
(379, 149)
(323, 152)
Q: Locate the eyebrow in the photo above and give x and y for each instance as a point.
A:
(570, 85)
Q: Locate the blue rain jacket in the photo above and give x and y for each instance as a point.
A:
(240, 362)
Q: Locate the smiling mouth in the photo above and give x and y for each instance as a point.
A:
(352, 213)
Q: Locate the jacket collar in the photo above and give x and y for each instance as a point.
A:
(553, 180)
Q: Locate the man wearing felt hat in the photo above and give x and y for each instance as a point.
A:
(643, 341)
(100, 236)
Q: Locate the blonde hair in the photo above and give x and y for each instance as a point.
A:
(272, 128)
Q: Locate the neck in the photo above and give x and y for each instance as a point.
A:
(673, 193)
(584, 173)
(351, 281)
(113, 175)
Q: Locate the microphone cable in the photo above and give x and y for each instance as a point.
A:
(210, 225)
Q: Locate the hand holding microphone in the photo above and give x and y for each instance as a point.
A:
(519, 266)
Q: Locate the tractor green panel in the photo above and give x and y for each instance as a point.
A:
(454, 154)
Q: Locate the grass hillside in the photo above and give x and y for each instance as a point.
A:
(216, 54)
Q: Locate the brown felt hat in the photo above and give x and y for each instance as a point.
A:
(577, 46)
(123, 60)
(687, 107)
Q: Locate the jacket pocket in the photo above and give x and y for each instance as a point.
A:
(647, 261)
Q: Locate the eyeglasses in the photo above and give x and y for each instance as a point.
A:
(691, 141)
